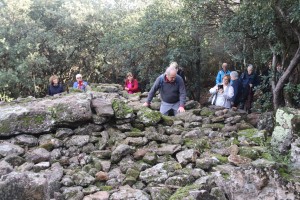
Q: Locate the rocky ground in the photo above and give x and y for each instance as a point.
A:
(104, 145)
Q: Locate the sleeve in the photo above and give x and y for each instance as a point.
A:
(152, 91)
(235, 89)
(255, 80)
(182, 92)
(218, 78)
(213, 90)
(49, 90)
(230, 92)
(62, 88)
(135, 86)
(75, 85)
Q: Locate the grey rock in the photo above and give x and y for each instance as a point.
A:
(72, 193)
(5, 168)
(121, 151)
(8, 149)
(26, 140)
(78, 140)
(187, 156)
(14, 160)
(102, 195)
(63, 133)
(160, 193)
(83, 179)
(127, 192)
(25, 185)
(102, 107)
(38, 155)
(168, 149)
(41, 166)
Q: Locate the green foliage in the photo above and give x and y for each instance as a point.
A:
(102, 40)
(294, 90)
(4, 97)
(263, 94)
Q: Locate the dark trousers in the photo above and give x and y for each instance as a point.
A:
(247, 98)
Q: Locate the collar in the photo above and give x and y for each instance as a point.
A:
(166, 80)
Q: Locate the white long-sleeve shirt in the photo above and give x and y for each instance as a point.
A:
(223, 99)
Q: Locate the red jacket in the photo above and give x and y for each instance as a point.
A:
(134, 85)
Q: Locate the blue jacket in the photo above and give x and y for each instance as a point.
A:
(220, 76)
(55, 89)
(75, 85)
(247, 79)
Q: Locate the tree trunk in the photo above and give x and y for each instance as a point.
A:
(287, 73)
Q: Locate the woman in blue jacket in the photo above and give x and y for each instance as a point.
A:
(55, 87)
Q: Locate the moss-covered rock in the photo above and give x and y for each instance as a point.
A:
(183, 192)
(206, 112)
(150, 158)
(222, 159)
(167, 121)
(148, 117)
(198, 144)
(215, 126)
(249, 152)
(252, 137)
(122, 110)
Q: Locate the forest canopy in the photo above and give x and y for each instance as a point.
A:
(105, 39)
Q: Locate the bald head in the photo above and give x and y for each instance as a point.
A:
(171, 73)
(224, 66)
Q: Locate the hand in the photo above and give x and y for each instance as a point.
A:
(250, 85)
(220, 91)
(181, 109)
(146, 104)
(126, 88)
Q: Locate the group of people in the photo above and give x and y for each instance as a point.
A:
(234, 91)
(56, 87)
(231, 90)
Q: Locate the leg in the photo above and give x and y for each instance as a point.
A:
(175, 107)
(165, 108)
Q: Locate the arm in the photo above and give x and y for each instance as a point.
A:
(49, 91)
(135, 86)
(218, 78)
(235, 87)
(62, 88)
(213, 90)
(182, 92)
(230, 92)
(154, 88)
(75, 85)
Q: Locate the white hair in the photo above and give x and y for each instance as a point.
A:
(170, 69)
(250, 66)
(78, 75)
(174, 64)
(234, 74)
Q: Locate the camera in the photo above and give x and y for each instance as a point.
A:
(220, 87)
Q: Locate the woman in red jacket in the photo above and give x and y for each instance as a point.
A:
(131, 84)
